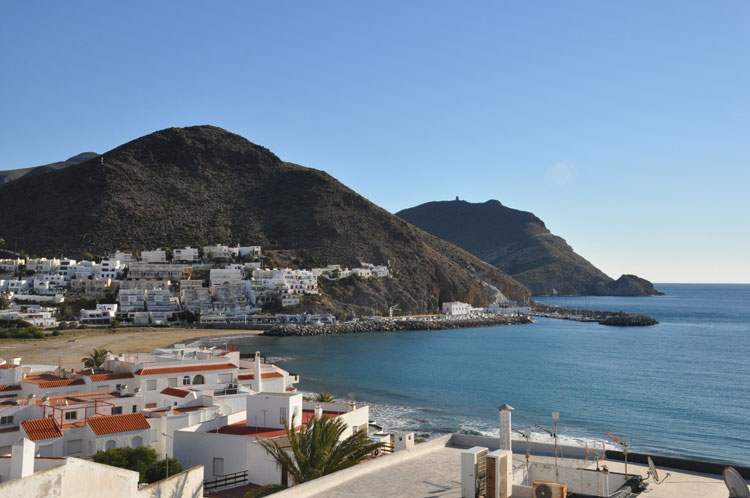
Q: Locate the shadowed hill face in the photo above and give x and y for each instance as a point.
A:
(10, 176)
(203, 185)
(520, 244)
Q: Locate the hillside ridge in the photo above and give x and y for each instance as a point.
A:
(519, 243)
(202, 185)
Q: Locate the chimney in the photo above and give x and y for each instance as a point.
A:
(258, 384)
(22, 459)
(505, 426)
(318, 412)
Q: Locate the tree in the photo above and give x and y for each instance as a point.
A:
(158, 470)
(139, 459)
(315, 451)
(95, 358)
(4, 300)
(323, 397)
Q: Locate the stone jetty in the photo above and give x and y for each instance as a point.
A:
(392, 325)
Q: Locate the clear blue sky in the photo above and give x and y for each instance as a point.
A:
(624, 125)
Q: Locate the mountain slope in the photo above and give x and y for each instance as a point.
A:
(9, 176)
(203, 185)
(520, 244)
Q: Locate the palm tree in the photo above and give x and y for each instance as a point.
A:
(315, 451)
(323, 397)
(95, 358)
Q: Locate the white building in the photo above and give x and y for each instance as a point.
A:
(103, 314)
(456, 308)
(11, 265)
(220, 252)
(27, 474)
(155, 256)
(42, 265)
(185, 255)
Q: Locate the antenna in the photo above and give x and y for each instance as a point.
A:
(735, 483)
(526, 433)
(622, 442)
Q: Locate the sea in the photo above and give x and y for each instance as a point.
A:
(680, 388)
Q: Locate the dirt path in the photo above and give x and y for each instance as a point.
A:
(73, 345)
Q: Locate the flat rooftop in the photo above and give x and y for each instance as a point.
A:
(437, 473)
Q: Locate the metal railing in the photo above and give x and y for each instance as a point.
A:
(236, 479)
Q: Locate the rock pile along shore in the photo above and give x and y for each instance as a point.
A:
(385, 325)
(616, 318)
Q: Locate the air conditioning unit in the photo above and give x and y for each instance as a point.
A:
(473, 472)
(548, 489)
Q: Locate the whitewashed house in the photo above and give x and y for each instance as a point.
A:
(157, 256)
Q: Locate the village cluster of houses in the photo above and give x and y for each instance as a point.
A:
(156, 286)
(208, 407)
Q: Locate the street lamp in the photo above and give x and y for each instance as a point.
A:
(556, 417)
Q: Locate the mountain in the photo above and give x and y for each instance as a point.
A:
(9, 176)
(520, 244)
(204, 185)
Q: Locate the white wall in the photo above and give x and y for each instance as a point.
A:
(265, 410)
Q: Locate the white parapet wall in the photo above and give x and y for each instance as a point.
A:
(322, 484)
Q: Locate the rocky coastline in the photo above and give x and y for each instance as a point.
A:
(387, 325)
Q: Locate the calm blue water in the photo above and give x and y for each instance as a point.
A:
(680, 388)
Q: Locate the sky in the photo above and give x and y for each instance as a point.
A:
(625, 126)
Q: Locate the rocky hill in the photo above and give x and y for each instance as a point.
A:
(520, 244)
(9, 176)
(203, 185)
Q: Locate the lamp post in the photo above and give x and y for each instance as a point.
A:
(166, 453)
(556, 417)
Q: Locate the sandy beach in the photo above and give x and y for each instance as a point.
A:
(73, 345)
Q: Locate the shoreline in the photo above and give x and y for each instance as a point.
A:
(69, 347)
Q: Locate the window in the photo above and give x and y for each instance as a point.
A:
(71, 415)
(6, 420)
(137, 441)
(282, 415)
(151, 385)
(218, 467)
(199, 379)
(110, 444)
(186, 380)
(135, 408)
(172, 382)
(116, 410)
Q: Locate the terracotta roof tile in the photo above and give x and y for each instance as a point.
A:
(12, 387)
(267, 375)
(173, 391)
(118, 423)
(192, 368)
(41, 428)
(46, 381)
(7, 366)
(110, 376)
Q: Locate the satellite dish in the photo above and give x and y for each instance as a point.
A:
(653, 473)
(735, 483)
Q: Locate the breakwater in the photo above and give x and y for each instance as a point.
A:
(388, 325)
(615, 318)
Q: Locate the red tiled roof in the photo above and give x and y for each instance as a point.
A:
(110, 376)
(291, 388)
(12, 387)
(7, 366)
(118, 423)
(192, 368)
(268, 375)
(173, 391)
(47, 381)
(41, 428)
